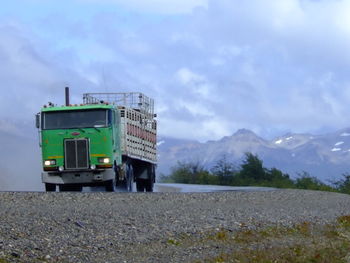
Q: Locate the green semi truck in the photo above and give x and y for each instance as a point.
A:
(109, 140)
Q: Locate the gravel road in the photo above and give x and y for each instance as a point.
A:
(145, 227)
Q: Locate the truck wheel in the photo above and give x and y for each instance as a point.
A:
(110, 186)
(140, 185)
(130, 179)
(149, 185)
(116, 174)
(50, 187)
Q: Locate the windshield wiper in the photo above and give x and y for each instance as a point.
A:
(96, 129)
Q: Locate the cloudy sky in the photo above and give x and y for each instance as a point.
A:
(212, 66)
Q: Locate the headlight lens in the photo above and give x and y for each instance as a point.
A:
(104, 160)
(49, 162)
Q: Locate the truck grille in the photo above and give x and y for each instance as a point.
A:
(76, 153)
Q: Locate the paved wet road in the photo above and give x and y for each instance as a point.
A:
(191, 188)
(196, 188)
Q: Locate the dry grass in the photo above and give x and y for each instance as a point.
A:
(304, 242)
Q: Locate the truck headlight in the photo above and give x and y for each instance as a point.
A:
(49, 162)
(104, 160)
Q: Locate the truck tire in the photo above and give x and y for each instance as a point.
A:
(130, 179)
(149, 185)
(140, 185)
(110, 186)
(50, 187)
(116, 174)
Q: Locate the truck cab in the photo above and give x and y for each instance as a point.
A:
(97, 143)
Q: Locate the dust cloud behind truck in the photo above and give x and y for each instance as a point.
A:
(109, 140)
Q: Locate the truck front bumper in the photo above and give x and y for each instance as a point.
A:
(78, 177)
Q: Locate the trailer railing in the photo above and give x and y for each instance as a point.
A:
(134, 100)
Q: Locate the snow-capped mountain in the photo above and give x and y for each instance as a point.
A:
(291, 141)
(324, 156)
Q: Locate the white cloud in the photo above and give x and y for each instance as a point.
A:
(186, 76)
(195, 82)
(31, 75)
(157, 6)
(196, 109)
(263, 65)
(202, 131)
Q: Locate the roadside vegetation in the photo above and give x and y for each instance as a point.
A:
(251, 172)
(304, 242)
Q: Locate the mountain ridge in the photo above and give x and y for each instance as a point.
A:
(325, 156)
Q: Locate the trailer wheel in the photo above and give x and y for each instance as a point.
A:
(140, 185)
(130, 179)
(50, 187)
(149, 185)
(110, 186)
(116, 174)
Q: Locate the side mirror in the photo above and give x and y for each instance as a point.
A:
(37, 120)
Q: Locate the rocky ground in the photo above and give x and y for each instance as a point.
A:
(147, 227)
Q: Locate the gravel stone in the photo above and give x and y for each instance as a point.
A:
(145, 227)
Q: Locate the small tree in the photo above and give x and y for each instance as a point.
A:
(306, 181)
(190, 173)
(343, 185)
(277, 178)
(252, 169)
(224, 170)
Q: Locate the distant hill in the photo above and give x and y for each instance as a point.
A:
(325, 156)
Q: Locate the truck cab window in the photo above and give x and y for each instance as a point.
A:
(110, 117)
(74, 119)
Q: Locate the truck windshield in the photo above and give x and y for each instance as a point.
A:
(75, 119)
